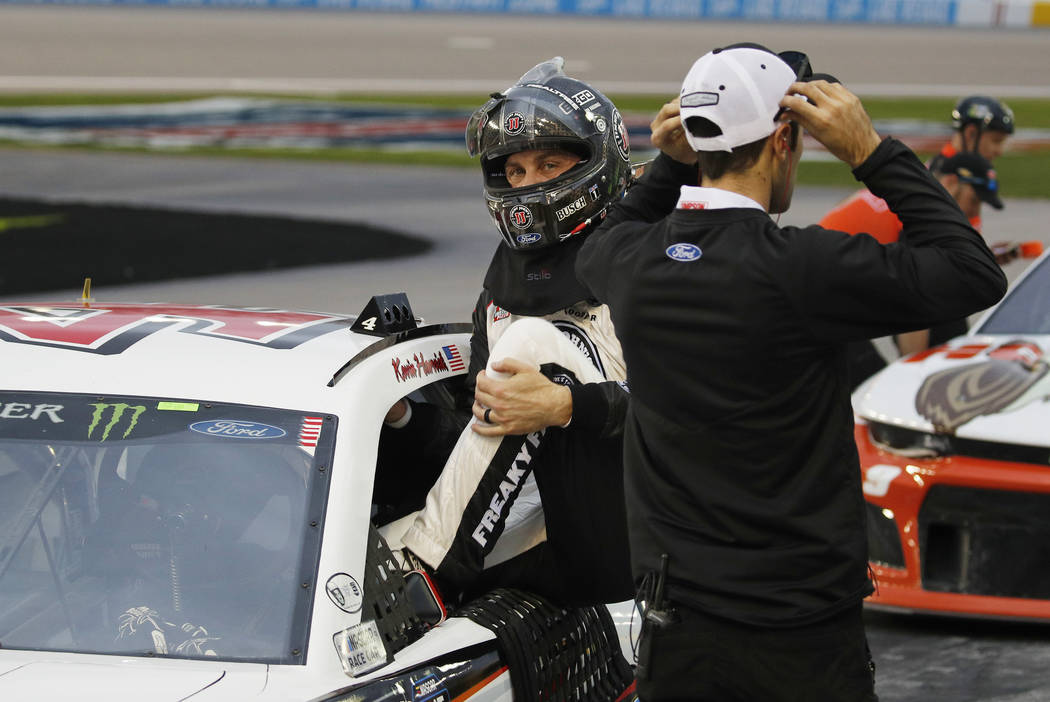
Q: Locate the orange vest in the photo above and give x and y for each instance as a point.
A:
(864, 212)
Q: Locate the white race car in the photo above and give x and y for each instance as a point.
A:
(186, 514)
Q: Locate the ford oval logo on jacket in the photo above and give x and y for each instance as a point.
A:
(684, 252)
(231, 428)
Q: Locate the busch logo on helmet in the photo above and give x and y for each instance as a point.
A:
(573, 207)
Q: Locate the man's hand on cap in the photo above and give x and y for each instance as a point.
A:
(833, 116)
(668, 133)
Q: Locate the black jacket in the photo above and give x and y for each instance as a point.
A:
(739, 452)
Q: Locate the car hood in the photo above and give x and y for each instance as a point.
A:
(990, 388)
(47, 676)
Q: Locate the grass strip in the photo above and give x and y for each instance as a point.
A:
(1020, 174)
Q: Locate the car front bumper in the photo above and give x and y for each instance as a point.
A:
(957, 535)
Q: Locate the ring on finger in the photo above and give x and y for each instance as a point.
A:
(488, 411)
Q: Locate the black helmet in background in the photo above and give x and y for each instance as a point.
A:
(987, 113)
(548, 110)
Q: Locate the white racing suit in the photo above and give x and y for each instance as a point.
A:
(542, 512)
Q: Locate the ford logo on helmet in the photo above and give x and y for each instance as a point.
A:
(683, 252)
(530, 238)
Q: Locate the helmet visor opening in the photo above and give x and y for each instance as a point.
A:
(494, 168)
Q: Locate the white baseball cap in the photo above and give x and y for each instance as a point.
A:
(738, 90)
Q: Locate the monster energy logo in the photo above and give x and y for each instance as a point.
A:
(118, 413)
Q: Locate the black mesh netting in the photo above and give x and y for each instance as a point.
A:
(554, 653)
(385, 600)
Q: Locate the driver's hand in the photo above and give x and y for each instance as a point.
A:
(522, 401)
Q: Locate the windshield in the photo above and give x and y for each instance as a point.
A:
(1026, 310)
(144, 526)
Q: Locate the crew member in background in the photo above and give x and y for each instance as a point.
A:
(981, 127)
(970, 179)
(981, 124)
(532, 494)
(745, 510)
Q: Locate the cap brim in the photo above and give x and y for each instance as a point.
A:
(991, 198)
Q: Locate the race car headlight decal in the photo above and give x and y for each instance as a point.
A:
(909, 442)
(884, 543)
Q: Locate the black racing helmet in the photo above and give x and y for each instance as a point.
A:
(546, 109)
(986, 112)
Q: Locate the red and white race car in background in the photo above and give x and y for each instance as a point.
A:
(186, 514)
(954, 447)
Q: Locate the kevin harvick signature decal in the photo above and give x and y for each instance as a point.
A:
(112, 329)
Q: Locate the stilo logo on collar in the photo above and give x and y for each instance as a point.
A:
(684, 252)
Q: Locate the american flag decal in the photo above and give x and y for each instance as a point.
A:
(455, 361)
(310, 432)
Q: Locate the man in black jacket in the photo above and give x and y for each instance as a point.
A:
(532, 494)
(744, 502)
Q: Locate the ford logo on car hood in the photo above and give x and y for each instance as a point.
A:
(231, 428)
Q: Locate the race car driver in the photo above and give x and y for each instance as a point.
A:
(532, 494)
(743, 485)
